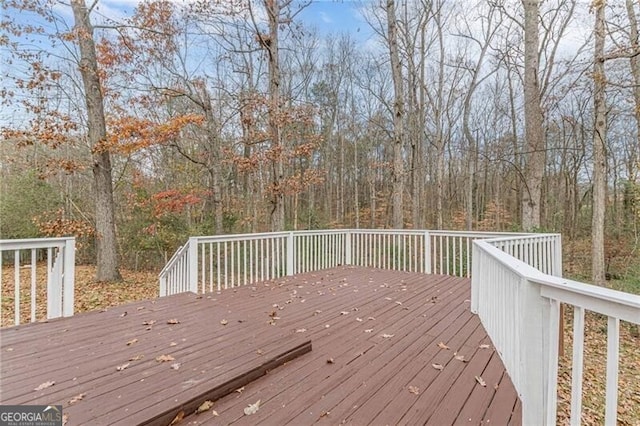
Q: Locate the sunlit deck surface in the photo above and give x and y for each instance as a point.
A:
(379, 356)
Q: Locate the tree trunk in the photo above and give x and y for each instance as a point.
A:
(271, 44)
(634, 40)
(106, 243)
(599, 144)
(534, 134)
(397, 189)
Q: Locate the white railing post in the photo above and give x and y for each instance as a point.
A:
(427, 252)
(476, 278)
(347, 249)
(192, 260)
(557, 258)
(69, 277)
(291, 265)
(533, 352)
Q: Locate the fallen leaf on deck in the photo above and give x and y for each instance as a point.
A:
(387, 336)
(252, 408)
(484, 346)
(325, 414)
(480, 381)
(77, 398)
(65, 419)
(224, 322)
(124, 314)
(140, 308)
(165, 358)
(359, 319)
(173, 321)
(330, 361)
(240, 390)
(173, 344)
(438, 367)
(414, 390)
(205, 406)
(442, 346)
(371, 319)
(398, 302)
(136, 358)
(344, 313)
(177, 419)
(175, 366)
(259, 352)
(387, 298)
(460, 358)
(301, 330)
(317, 312)
(369, 330)
(327, 325)
(214, 413)
(131, 342)
(123, 366)
(45, 385)
(151, 322)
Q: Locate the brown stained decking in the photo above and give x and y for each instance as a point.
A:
(374, 333)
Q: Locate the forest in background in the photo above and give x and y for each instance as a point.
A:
(213, 117)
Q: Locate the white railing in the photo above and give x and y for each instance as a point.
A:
(217, 262)
(519, 306)
(58, 255)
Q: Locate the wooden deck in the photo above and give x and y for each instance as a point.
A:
(387, 348)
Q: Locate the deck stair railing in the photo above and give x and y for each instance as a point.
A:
(23, 257)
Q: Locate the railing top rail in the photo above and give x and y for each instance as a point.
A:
(238, 237)
(484, 234)
(594, 298)
(29, 243)
(510, 237)
(174, 258)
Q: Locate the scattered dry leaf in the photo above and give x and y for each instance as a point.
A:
(325, 414)
(175, 366)
(132, 341)
(484, 346)
(77, 398)
(177, 419)
(344, 313)
(124, 314)
(45, 385)
(123, 366)
(414, 390)
(205, 406)
(387, 336)
(460, 358)
(173, 321)
(359, 319)
(252, 408)
(371, 319)
(301, 330)
(441, 345)
(240, 390)
(317, 312)
(398, 302)
(136, 357)
(330, 361)
(165, 358)
(260, 352)
(368, 330)
(480, 381)
(150, 322)
(224, 322)
(438, 367)
(65, 419)
(173, 344)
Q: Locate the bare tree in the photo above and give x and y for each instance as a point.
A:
(535, 149)
(106, 244)
(398, 119)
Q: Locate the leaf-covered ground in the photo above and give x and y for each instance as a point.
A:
(90, 296)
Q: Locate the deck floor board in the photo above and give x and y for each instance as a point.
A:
(380, 329)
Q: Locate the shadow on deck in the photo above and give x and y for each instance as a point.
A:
(387, 348)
